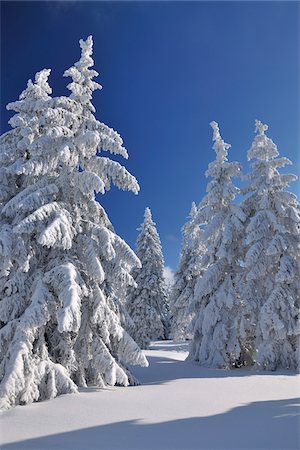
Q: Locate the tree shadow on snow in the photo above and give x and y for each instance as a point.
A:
(259, 425)
(164, 369)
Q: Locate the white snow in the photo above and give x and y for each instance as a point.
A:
(168, 275)
(178, 406)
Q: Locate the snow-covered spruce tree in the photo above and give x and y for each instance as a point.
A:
(188, 272)
(147, 303)
(217, 326)
(272, 263)
(59, 253)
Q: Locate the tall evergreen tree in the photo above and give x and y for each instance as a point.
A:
(187, 274)
(147, 303)
(271, 286)
(59, 253)
(217, 328)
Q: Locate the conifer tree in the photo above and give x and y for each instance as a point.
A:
(217, 326)
(271, 287)
(147, 303)
(188, 271)
(59, 253)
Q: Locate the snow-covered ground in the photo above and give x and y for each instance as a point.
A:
(178, 406)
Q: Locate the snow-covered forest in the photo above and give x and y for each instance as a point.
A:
(80, 308)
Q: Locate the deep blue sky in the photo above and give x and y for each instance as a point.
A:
(167, 70)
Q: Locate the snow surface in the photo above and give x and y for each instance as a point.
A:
(179, 406)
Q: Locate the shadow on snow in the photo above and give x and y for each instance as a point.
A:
(163, 369)
(259, 425)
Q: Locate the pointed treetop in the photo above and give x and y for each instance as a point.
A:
(86, 59)
(262, 148)
(82, 86)
(39, 89)
(42, 77)
(148, 215)
(216, 129)
(191, 228)
(193, 210)
(86, 47)
(260, 128)
(220, 147)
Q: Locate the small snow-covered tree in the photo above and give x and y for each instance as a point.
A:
(187, 274)
(217, 325)
(59, 253)
(147, 303)
(272, 261)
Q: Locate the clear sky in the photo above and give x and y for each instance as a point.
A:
(167, 70)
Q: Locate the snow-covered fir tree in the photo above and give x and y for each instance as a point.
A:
(59, 254)
(186, 275)
(217, 327)
(271, 285)
(147, 303)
